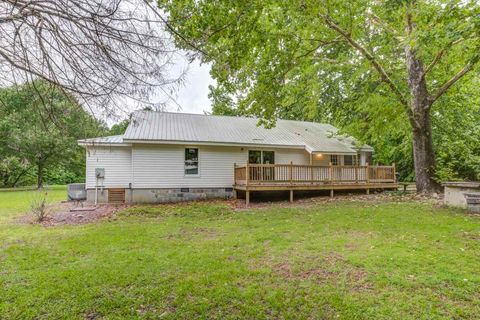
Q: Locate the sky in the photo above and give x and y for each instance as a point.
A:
(193, 95)
(190, 97)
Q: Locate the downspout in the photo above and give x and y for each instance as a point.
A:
(131, 177)
(96, 189)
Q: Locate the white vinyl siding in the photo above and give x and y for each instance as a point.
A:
(323, 161)
(117, 164)
(283, 156)
(162, 166)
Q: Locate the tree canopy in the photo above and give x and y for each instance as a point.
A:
(39, 129)
(389, 72)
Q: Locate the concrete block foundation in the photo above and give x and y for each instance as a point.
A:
(164, 195)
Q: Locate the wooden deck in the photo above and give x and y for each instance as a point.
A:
(291, 177)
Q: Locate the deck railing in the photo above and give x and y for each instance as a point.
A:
(251, 174)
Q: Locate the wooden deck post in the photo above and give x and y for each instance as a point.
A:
(356, 173)
(235, 174)
(367, 174)
(247, 198)
(291, 195)
(330, 172)
(394, 173)
(368, 191)
(331, 193)
(247, 174)
(290, 171)
(311, 168)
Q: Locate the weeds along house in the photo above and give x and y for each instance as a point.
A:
(175, 156)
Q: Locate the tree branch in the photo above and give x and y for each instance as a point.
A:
(468, 67)
(369, 56)
(437, 59)
(439, 56)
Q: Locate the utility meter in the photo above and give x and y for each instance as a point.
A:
(100, 173)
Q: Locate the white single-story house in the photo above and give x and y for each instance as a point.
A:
(165, 156)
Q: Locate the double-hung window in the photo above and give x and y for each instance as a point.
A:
(191, 161)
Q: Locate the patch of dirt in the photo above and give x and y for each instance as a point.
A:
(61, 214)
(190, 233)
(331, 268)
(92, 315)
(475, 236)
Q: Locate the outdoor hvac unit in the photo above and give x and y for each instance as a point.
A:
(76, 191)
(99, 173)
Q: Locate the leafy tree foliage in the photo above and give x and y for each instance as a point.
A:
(39, 129)
(119, 128)
(388, 72)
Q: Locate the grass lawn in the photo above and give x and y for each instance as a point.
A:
(346, 260)
(18, 200)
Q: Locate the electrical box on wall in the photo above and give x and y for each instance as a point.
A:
(99, 173)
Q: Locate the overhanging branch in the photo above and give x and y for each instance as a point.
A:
(468, 67)
(369, 56)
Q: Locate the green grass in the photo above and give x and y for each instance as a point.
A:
(346, 260)
(17, 201)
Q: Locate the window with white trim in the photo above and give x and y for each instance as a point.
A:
(191, 161)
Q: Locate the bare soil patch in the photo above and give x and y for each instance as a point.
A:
(331, 268)
(70, 213)
(191, 233)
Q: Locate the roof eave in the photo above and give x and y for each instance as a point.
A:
(212, 143)
(103, 144)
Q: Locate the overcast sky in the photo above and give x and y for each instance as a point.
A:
(190, 97)
(193, 96)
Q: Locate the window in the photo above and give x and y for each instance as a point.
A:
(350, 160)
(191, 161)
(334, 160)
(268, 157)
(259, 157)
(255, 156)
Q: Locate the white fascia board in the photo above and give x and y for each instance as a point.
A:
(311, 151)
(223, 144)
(100, 144)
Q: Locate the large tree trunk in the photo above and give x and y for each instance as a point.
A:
(424, 155)
(419, 115)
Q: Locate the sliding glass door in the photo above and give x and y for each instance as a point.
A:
(262, 157)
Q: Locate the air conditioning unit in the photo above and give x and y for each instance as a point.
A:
(76, 191)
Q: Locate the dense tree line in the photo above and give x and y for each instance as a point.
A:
(39, 128)
(400, 74)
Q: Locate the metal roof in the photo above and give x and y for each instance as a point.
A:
(109, 140)
(158, 127)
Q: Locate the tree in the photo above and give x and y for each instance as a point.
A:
(358, 62)
(41, 130)
(98, 50)
(119, 128)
